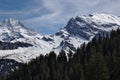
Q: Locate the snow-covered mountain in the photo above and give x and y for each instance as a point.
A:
(77, 31)
(12, 29)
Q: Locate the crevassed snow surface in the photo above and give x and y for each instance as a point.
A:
(77, 31)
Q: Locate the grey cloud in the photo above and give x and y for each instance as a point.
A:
(49, 13)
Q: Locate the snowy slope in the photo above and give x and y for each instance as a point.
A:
(77, 31)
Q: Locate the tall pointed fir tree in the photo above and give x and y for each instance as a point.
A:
(96, 68)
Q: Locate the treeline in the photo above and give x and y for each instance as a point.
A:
(98, 60)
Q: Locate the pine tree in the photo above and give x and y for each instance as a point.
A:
(115, 67)
(78, 72)
(96, 68)
(52, 65)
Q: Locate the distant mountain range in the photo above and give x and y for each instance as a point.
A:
(21, 44)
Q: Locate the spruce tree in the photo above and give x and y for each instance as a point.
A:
(96, 68)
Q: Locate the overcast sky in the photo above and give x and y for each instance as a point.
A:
(47, 16)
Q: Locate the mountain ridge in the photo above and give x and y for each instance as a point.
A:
(77, 31)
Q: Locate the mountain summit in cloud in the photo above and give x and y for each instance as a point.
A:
(77, 31)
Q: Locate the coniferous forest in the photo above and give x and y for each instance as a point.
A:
(98, 60)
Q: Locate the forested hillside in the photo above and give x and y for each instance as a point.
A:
(98, 60)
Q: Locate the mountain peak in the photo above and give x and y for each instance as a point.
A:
(11, 21)
(93, 18)
(77, 31)
(12, 29)
(102, 18)
(85, 26)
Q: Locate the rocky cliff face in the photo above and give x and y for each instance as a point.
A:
(77, 31)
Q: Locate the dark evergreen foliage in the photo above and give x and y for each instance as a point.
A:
(98, 60)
